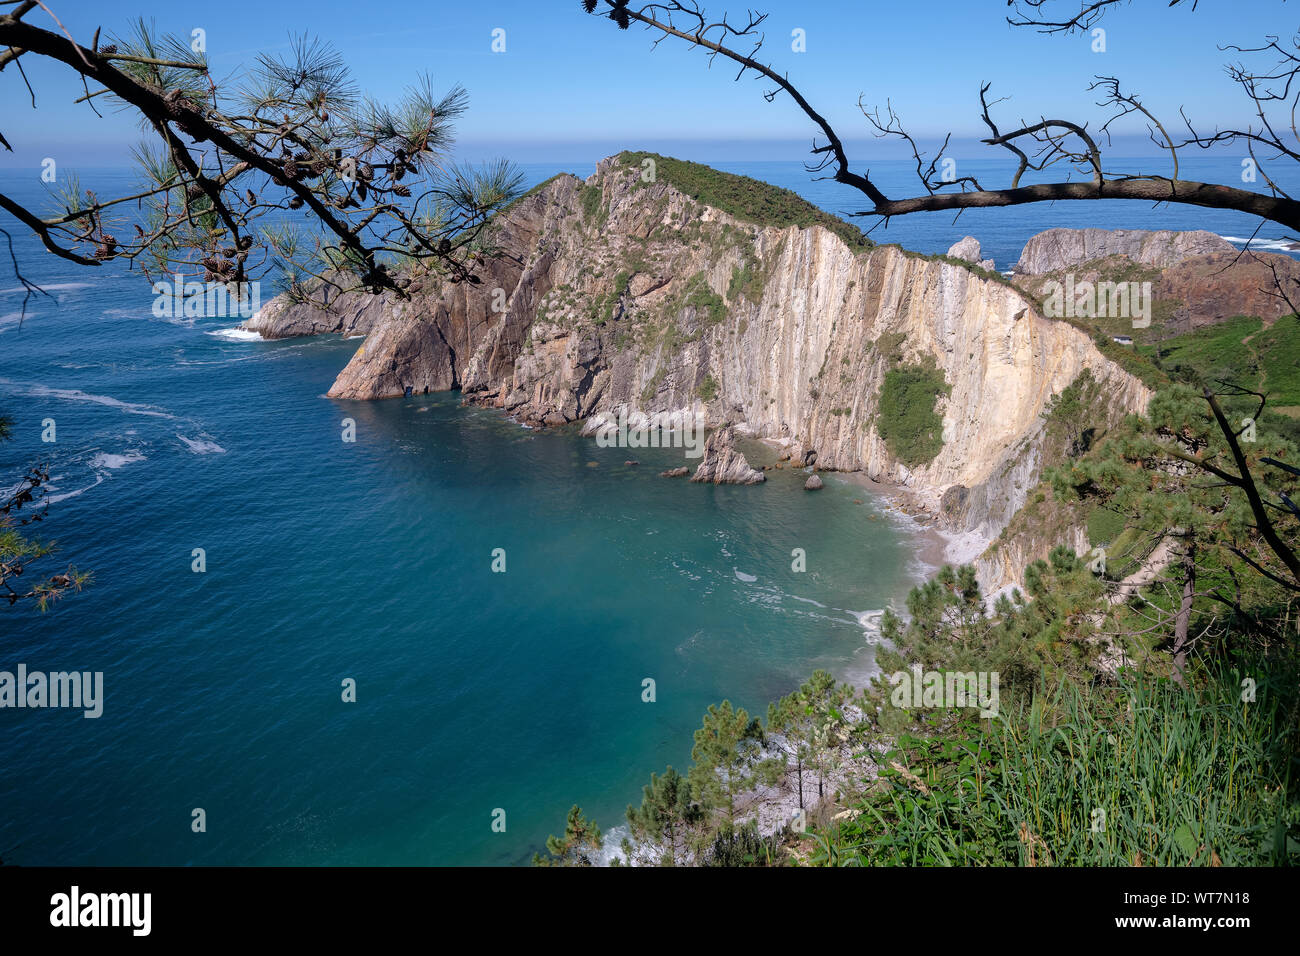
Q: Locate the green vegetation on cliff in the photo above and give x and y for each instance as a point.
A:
(1241, 350)
(747, 199)
(907, 420)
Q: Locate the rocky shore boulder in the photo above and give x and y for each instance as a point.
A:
(327, 310)
(723, 464)
(968, 250)
(813, 483)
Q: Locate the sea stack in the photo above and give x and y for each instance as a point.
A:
(723, 464)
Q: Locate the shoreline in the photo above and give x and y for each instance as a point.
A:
(934, 545)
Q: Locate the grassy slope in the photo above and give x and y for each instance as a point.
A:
(746, 199)
(1240, 350)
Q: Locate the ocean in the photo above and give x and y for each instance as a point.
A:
(480, 694)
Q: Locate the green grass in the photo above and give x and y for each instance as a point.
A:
(747, 282)
(744, 198)
(1278, 349)
(908, 422)
(708, 304)
(1152, 775)
(1104, 527)
(590, 197)
(1268, 360)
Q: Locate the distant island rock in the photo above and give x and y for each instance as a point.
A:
(1062, 248)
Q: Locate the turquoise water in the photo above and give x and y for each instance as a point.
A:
(372, 561)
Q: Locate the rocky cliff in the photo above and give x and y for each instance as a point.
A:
(627, 293)
(1061, 248)
(1196, 278)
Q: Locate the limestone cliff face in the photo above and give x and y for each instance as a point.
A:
(1160, 249)
(621, 295)
(1196, 278)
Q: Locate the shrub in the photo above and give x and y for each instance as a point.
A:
(908, 422)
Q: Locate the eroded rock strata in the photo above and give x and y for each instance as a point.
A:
(620, 295)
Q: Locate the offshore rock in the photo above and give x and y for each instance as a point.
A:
(723, 464)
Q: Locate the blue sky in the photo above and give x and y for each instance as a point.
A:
(573, 87)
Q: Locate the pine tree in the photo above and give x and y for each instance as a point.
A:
(808, 726)
(728, 746)
(1181, 481)
(579, 845)
(667, 815)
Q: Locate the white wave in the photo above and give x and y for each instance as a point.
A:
(51, 287)
(202, 446)
(742, 576)
(1276, 245)
(55, 499)
(114, 462)
(870, 621)
(611, 847)
(76, 395)
(237, 334)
